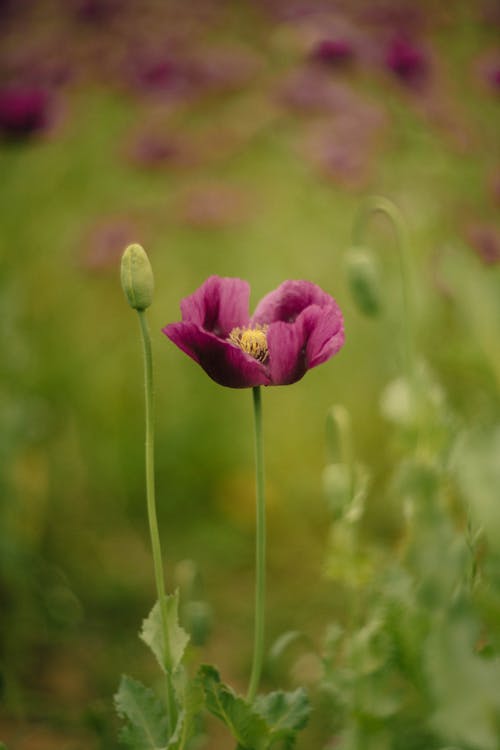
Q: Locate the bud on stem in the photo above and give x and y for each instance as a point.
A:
(137, 277)
(364, 280)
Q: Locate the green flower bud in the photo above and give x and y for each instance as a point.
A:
(199, 620)
(137, 277)
(363, 280)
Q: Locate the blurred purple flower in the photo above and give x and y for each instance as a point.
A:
(211, 205)
(406, 60)
(402, 17)
(485, 241)
(294, 328)
(333, 52)
(24, 110)
(314, 92)
(161, 72)
(342, 148)
(156, 149)
(103, 245)
(96, 11)
(488, 69)
(224, 69)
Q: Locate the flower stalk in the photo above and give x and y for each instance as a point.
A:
(150, 478)
(138, 285)
(260, 551)
(151, 506)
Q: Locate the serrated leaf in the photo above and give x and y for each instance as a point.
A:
(147, 727)
(246, 725)
(152, 634)
(284, 713)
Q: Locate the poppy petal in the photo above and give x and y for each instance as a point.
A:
(222, 361)
(324, 333)
(315, 336)
(287, 302)
(218, 305)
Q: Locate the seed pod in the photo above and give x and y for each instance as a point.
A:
(137, 277)
(363, 280)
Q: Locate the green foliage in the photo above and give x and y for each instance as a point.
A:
(147, 719)
(245, 724)
(285, 714)
(272, 720)
(152, 634)
(419, 666)
(190, 699)
(147, 727)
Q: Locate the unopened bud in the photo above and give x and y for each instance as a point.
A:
(199, 620)
(364, 280)
(137, 277)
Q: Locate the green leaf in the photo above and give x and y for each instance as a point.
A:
(190, 696)
(284, 713)
(147, 727)
(246, 725)
(152, 634)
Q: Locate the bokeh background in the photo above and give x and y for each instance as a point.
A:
(235, 139)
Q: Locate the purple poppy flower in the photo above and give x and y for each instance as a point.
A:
(407, 60)
(333, 52)
(23, 111)
(485, 241)
(294, 328)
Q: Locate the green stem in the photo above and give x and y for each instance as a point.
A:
(151, 505)
(378, 204)
(260, 583)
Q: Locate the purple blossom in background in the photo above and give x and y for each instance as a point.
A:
(211, 205)
(313, 92)
(23, 111)
(398, 15)
(488, 69)
(294, 328)
(161, 71)
(102, 246)
(224, 69)
(95, 11)
(333, 52)
(157, 149)
(406, 60)
(485, 241)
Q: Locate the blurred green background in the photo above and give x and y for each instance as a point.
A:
(236, 140)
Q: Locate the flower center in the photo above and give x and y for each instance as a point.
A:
(253, 341)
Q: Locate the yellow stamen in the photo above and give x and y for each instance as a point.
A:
(253, 341)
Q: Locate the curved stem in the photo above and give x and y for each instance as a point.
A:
(260, 583)
(378, 204)
(151, 503)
